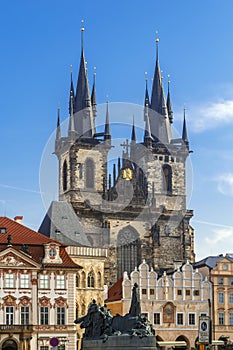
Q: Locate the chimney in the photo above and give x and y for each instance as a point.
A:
(19, 219)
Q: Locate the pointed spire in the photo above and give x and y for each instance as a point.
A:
(107, 134)
(71, 90)
(147, 98)
(71, 130)
(119, 166)
(58, 132)
(93, 95)
(169, 105)
(157, 84)
(148, 139)
(184, 132)
(133, 133)
(85, 123)
(114, 174)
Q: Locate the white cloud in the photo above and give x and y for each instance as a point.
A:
(211, 115)
(225, 184)
(218, 241)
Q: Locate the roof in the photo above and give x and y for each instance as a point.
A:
(22, 235)
(62, 223)
(209, 261)
(115, 292)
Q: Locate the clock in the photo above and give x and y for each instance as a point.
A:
(127, 174)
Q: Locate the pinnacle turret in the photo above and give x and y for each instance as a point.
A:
(184, 131)
(93, 97)
(169, 105)
(107, 133)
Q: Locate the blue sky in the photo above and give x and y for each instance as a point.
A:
(39, 41)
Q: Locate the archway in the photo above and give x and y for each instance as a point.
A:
(183, 338)
(9, 344)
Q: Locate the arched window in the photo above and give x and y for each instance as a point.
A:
(90, 280)
(167, 178)
(64, 176)
(90, 173)
(99, 280)
(77, 310)
(83, 309)
(128, 250)
(77, 280)
(83, 280)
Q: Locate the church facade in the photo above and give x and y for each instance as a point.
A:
(138, 211)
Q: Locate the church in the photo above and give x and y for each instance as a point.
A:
(137, 209)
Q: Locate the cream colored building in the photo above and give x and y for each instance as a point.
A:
(90, 279)
(219, 270)
(172, 303)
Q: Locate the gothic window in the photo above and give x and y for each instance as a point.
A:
(77, 280)
(90, 174)
(99, 280)
(83, 309)
(64, 176)
(90, 280)
(128, 250)
(167, 178)
(83, 280)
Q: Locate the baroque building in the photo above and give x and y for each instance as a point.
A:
(139, 209)
(37, 290)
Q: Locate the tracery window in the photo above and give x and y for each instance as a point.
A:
(90, 173)
(128, 250)
(90, 280)
(167, 178)
(64, 176)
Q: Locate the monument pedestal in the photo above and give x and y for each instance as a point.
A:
(121, 342)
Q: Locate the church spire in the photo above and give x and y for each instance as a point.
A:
(184, 132)
(93, 95)
(133, 133)
(107, 133)
(169, 105)
(84, 124)
(148, 139)
(58, 132)
(157, 84)
(71, 90)
(72, 134)
(147, 98)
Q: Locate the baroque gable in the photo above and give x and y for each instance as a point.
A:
(15, 259)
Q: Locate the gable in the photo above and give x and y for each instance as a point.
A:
(15, 259)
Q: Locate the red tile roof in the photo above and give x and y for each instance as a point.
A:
(21, 234)
(115, 292)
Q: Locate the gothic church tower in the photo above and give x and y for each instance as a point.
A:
(139, 211)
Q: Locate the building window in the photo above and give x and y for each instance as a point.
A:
(60, 315)
(221, 298)
(157, 318)
(143, 291)
(196, 292)
(9, 280)
(152, 292)
(225, 267)
(99, 279)
(9, 315)
(231, 298)
(145, 314)
(230, 280)
(64, 176)
(179, 292)
(191, 318)
(44, 315)
(24, 280)
(60, 281)
(24, 314)
(44, 281)
(77, 280)
(179, 319)
(187, 292)
(220, 281)
(90, 280)
(167, 178)
(90, 173)
(231, 319)
(221, 319)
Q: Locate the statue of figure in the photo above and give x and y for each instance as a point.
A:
(135, 308)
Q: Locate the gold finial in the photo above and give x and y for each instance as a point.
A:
(82, 27)
(156, 39)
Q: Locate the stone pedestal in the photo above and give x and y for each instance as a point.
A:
(121, 342)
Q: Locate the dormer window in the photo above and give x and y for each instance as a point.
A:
(2, 230)
(52, 253)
